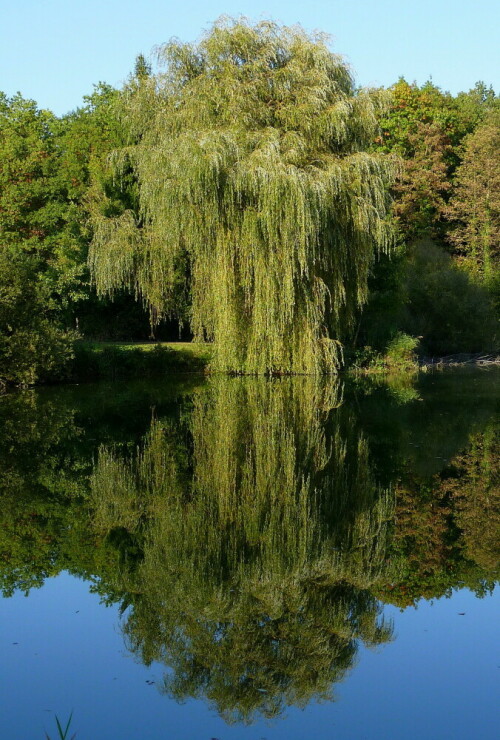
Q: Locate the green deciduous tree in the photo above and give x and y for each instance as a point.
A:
(426, 126)
(86, 137)
(35, 210)
(449, 310)
(40, 263)
(255, 182)
(475, 205)
(477, 104)
(33, 344)
(423, 185)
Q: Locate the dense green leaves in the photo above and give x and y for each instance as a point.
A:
(35, 211)
(253, 173)
(33, 344)
(475, 202)
(241, 194)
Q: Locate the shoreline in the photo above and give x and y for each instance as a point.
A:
(109, 361)
(462, 359)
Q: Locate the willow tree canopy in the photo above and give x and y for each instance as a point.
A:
(255, 182)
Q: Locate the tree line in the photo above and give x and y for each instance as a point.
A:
(248, 194)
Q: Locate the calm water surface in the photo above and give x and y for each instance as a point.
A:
(239, 558)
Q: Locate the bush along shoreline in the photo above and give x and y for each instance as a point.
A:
(402, 359)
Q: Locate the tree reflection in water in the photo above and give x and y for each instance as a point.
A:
(253, 530)
(262, 531)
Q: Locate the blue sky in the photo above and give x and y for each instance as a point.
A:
(55, 50)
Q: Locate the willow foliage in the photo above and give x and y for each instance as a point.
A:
(260, 540)
(254, 179)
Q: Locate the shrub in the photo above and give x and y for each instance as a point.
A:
(401, 351)
(445, 306)
(33, 346)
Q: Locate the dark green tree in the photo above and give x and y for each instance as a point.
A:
(33, 344)
(86, 139)
(40, 259)
(35, 201)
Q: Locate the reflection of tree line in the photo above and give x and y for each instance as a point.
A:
(249, 535)
(448, 527)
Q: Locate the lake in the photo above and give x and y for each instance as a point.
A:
(230, 558)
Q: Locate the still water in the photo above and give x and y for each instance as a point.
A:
(242, 558)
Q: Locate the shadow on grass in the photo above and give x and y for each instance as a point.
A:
(110, 361)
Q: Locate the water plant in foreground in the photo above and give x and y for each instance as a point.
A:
(62, 734)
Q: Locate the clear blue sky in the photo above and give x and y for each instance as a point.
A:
(55, 50)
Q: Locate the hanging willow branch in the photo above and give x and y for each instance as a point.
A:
(253, 173)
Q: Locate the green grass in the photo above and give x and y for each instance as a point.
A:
(124, 360)
(196, 349)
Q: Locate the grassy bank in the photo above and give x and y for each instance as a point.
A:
(122, 360)
(95, 361)
(128, 360)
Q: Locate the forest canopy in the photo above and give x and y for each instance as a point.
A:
(245, 193)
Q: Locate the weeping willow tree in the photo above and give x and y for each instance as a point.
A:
(259, 547)
(256, 186)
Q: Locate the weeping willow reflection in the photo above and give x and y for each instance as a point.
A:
(249, 537)
(252, 529)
